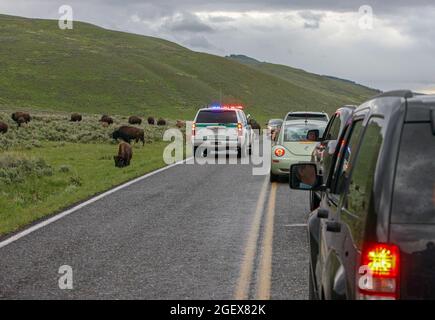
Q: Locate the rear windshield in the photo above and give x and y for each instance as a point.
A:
(295, 132)
(302, 116)
(217, 116)
(414, 190)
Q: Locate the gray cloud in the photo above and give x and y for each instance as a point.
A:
(186, 22)
(311, 20)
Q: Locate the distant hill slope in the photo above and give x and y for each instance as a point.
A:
(91, 69)
(323, 84)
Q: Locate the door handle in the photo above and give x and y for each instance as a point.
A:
(332, 226)
(322, 213)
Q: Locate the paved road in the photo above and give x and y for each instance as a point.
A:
(189, 232)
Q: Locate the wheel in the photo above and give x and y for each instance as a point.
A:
(239, 152)
(273, 177)
(194, 151)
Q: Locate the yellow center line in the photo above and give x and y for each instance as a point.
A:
(265, 269)
(243, 283)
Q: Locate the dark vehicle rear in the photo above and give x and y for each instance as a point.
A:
(375, 236)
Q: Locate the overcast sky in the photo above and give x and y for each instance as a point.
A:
(325, 37)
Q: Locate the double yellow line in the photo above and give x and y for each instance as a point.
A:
(265, 266)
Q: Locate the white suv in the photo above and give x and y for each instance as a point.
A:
(222, 127)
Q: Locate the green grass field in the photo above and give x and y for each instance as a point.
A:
(54, 177)
(94, 70)
(52, 163)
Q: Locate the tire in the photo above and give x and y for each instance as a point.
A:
(194, 152)
(273, 177)
(239, 152)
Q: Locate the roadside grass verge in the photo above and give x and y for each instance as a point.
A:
(37, 182)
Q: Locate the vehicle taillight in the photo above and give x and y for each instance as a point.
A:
(381, 277)
(193, 129)
(239, 129)
(279, 152)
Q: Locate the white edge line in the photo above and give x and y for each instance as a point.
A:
(59, 216)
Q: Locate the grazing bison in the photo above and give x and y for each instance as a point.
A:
(21, 117)
(125, 153)
(254, 124)
(106, 119)
(127, 134)
(134, 120)
(3, 127)
(151, 120)
(181, 124)
(75, 117)
(161, 122)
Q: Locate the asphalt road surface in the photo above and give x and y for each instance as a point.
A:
(188, 232)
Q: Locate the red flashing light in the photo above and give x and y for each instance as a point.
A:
(233, 106)
(382, 262)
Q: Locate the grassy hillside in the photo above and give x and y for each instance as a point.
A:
(333, 87)
(91, 69)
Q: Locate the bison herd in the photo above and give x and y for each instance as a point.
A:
(125, 133)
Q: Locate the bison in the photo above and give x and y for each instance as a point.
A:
(181, 124)
(125, 153)
(128, 133)
(106, 119)
(151, 120)
(75, 117)
(161, 122)
(254, 124)
(134, 120)
(3, 127)
(21, 117)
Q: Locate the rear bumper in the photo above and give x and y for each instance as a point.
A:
(219, 143)
(281, 166)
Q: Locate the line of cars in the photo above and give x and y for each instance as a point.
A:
(371, 179)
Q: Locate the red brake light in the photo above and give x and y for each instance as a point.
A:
(279, 152)
(382, 262)
(193, 129)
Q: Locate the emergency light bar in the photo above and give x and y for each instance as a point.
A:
(226, 106)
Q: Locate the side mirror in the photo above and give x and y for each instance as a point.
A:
(303, 176)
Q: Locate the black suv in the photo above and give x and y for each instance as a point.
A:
(375, 236)
(324, 151)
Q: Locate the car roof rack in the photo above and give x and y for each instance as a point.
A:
(396, 93)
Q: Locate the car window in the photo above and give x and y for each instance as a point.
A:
(275, 122)
(358, 197)
(334, 130)
(302, 116)
(217, 116)
(414, 188)
(298, 132)
(347, 152)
